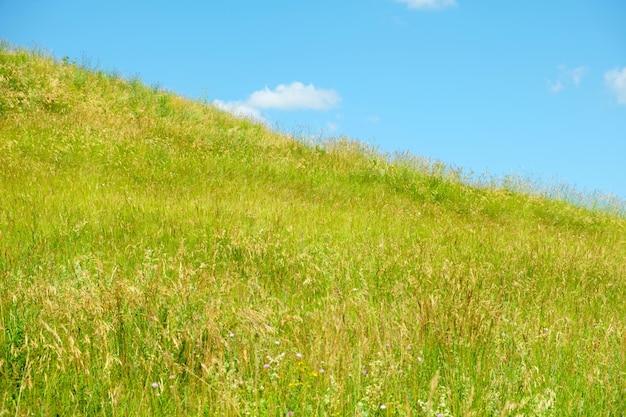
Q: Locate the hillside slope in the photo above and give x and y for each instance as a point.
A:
(160, 257)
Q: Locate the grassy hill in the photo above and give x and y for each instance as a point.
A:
(161, 257)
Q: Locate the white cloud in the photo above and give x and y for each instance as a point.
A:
(239, 109)
(577, 74)
(616, 80)
(332, 127)
(428, 4)
(296, 96)
(555, 87)
(567, 77)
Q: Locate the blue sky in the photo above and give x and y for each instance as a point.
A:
(531, 87)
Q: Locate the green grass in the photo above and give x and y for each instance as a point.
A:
(160, 257)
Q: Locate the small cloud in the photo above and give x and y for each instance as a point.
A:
(616, 80)
(296, 96)
(577, 74)
(428, 4)
(567, 77)
(239, 109)
(332, 127)
(555, 87)
(373, 119)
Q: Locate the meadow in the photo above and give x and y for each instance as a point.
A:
(161, 257)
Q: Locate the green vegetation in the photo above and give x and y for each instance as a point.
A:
(160, 257)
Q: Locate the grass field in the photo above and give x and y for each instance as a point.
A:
(160, 257)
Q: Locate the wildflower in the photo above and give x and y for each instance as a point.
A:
(322, 371)
(299, 355)
(172, 377)
(277, 342)
(383, 407)
(266, 366)
(155, 385)
(409, 347)
(420, 359)
(365, 372)
(231, 334)
(290, 413)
